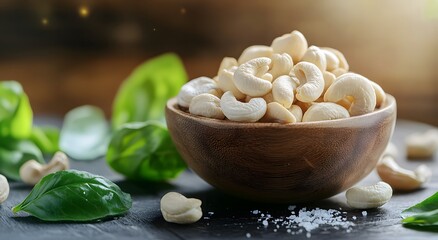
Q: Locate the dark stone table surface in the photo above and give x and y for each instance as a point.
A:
(225, 217)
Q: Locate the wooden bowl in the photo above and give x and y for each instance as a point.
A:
(275, 162)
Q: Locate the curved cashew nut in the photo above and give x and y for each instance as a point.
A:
(248, 77)
(294, 44)
(343, 64)
(422, 145)
(297, 112)
(400, 178)
(370, 196)
(277, 113)
(283, 90)
(316, 56)
(4, 188)
(32, 171)
(225, 82)
(281, 65)
(311, 82)
(227, 63)
(256, 51)
(380, 94)
(325, 111)
(194, 88)
(357, 87)
(234, 110)
(329, 79)
(332, 60)
(176, 208)
(206, 105)
(339, 72)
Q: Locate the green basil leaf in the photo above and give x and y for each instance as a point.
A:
(143, 95)
(85, 133)
(423, 215)
(144, 151)
(15, 111)
(14, 153)
(46, 138)
(75, 196)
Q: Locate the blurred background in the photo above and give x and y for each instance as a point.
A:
(74, 52)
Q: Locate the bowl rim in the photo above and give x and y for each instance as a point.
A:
(387, 107)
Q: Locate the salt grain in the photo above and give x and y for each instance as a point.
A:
(248, 235)
(364, 213)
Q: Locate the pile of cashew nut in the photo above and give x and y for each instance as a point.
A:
(286, 82)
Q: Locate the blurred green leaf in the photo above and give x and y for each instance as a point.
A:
(85, 133)
(422, 216)
(143, 95)
(46, 138)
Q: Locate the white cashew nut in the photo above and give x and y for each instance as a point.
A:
(4, 188)
(283, 90)
(370, 196)
(380, 94)
(234, 110)
(316, 56)
(227, 63)
(400, 178)
(206, 105)
(329, 79)
(294, 44)
(253, 52)
(332, 60)
(248, 77)
(422, 145)
(32, 171)
(297, 112)
(225, 82)
(176, 208)
(325, 111)
(311, 82)
(339, 72)
(281, 65)
(357, 87)
(194, 88)
(277, 113)
(343, 64)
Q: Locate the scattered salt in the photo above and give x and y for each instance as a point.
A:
(248, 235)
(265, 223)
(291, 207)
(210, 213)
(255, 212)
(364, 213)
(354, 217)
(308, 235)
(275, 230)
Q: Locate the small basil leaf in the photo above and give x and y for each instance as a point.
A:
(85, 133)
(14, 153)
(143, 95)
(144, 151)
(422, 216)
(46, 138)
(15, 111)
(75, 196)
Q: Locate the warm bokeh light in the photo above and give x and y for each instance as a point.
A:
(45, 21)
(84, 11)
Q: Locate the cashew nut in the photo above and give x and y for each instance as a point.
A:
(343, 64)
(380, 94)
(281, 65)
(297, 112)
(329, 79)
(248, 77)
(304, 105)
(325, 111)
(32, 171)
(357, 87)
(4, 188)
(339, 72)
(294, 44)
(194, 88)
(227, 63)
(400, 178)
(206, 105)
(316, 56)
(332, 59)
(256, 51)
(234, 110)
(311, 82)
(176, 208)
(370, 196)
(277, 113)
(225, 82)
(422, 145)
(283, 90)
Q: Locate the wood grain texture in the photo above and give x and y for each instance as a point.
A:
(282, 162)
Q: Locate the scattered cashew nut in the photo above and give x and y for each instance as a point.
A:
(311, 82)
(343, 64)
(194, 88)
(325, 111)
(256, 51)
(283, 90)
(278, 113)
(400, 178)
(32, 171)
(355, 86)
(227, 63)
(422, 145)
(206, 105)
(331, 59)
(176, 208)
(294, 44)
(248, 77)
(235, 110)
(281, 65)
(4, 188)
(316, 56)
(366, 197)
(225, 82)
